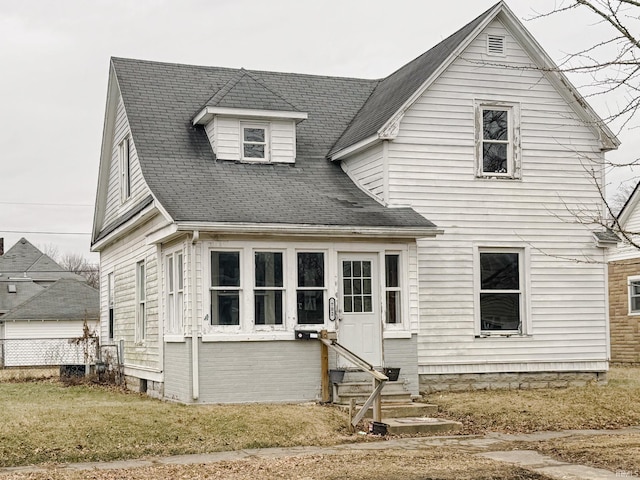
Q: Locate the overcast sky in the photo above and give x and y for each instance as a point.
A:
(54, 60)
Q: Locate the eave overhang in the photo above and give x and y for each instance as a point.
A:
(207, 113)
(293, 230)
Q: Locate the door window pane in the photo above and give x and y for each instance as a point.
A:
(357, 286)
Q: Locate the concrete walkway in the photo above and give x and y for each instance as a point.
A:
(486, 446)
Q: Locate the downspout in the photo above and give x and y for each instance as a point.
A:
(195, 379)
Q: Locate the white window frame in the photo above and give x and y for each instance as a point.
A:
(174, 305)
(400, 289)
(298, 288)
(111, 314)
(141, 301)
(266, 143)
(513, 141)
(283, 289)
(209, 327)
(124, 152)
(524, 288)
(630, 281)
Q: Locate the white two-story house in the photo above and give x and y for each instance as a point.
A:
(424, 218)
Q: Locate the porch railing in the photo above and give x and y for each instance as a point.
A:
(379, 378)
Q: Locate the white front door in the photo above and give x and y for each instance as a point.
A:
(360, 328)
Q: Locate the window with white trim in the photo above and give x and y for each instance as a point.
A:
(225, 288)
(501, 302)
(175, 293)
(269, 291)
(110, 304)
(497, 140)
(141, 301)
(392, 288)
(634, 295)
(125, 169)
(310, 294)
(255, 141)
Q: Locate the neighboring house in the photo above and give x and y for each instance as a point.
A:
(42, 306)
(624, 284)
(433, 206)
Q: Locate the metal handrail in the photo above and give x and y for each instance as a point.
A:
(379, 380)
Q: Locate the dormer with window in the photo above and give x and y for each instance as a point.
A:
(247, 122)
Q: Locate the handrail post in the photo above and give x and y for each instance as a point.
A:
(324, 365)
(377, 402)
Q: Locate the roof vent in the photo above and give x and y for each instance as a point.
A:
(495, 45)
(11, 288)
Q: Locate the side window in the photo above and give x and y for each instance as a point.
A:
(125, 169)
(497, 140)
(310, 293)
(393, 296)
(501, 292)
(175, 291)
(255, 144)
(225, 288)
(110, 303)
(634, 295)
(141, 301)
(269, 288)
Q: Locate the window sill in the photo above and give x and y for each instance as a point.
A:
(396, 334)
(174, 338)
(503, 335)
(247, 337)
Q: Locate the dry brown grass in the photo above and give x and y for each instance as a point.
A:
(618, 453)
(48, 422)
(27, 374)
(614, 405)
(432, 464)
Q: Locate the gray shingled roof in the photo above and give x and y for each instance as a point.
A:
(66, 299)
(392, 92)
(245, 91)
(23, 258)
(25, 289)
(178, 163)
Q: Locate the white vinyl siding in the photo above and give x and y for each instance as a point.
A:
(432, 168)
(116, 202)
(367, 169)
(225, 135)
(120, 259)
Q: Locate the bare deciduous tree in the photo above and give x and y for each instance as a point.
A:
(76, 263)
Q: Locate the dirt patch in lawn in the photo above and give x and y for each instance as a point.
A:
(435, 464)
(614, 405)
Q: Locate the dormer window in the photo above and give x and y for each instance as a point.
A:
(255, 142)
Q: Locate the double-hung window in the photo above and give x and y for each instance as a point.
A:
(393, 297)
(255, 144)
(269, 288)
(175, 292)
(634, 295)
(110, 303)
(501, 298)
(125, 169)
(141, 301)
(497, 140)
(310, 294)
(225, 288)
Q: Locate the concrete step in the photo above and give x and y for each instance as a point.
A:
(403, 409)
(420, 425)
(344, 398)
(367, 387)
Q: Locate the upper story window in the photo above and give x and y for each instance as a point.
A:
(255, 145)
(497, 140)
(125, 169)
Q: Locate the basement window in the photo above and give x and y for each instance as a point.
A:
(11, 288)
